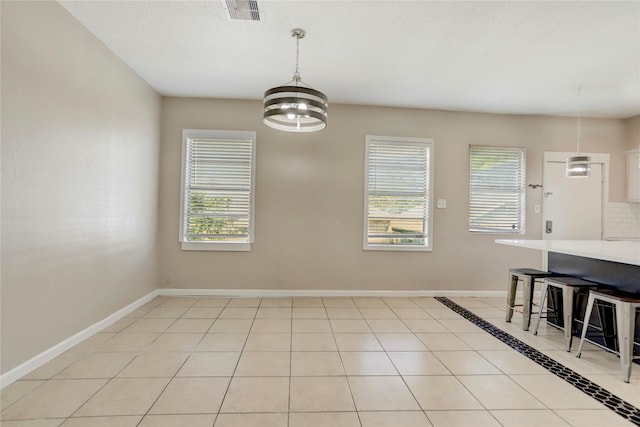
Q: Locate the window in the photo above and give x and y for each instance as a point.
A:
(398, 180)
(496, 193)
(217, 190)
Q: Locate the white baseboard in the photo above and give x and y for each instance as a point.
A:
(52, 352)
(281, 293)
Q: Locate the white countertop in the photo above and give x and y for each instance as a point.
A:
(626, 252)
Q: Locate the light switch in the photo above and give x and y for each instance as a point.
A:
(536, 208)
(441, 203)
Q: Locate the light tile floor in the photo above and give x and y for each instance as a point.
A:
(313, 362)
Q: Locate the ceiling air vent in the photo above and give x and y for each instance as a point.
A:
(242, 10)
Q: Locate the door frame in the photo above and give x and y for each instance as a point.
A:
(561, 157)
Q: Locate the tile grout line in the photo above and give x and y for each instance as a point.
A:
(608, 399)
(404, 381)
(346, 377)
(177, 370)
(217, 415)
(290, 368)
(224, 396)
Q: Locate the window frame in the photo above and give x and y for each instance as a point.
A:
(190, 134)
(522, 191)
(429, 144)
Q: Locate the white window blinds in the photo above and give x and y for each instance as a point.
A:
(218, 188)
(398, 193)
(497, 189)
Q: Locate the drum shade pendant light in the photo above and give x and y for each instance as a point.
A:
(579, 166)
(295, 107)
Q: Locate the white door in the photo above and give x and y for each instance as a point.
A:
(573, 207)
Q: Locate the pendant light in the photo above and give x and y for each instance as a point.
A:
(294, 106)
(579, 166)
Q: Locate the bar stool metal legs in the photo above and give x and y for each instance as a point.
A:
(511, 297)
(585, 325)
(626, 322)
(567, 313)
(543, 297)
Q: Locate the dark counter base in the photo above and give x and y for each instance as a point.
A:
(625, 277)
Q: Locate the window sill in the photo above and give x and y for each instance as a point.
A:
(518, 232)
(216, 246)
(396, 248)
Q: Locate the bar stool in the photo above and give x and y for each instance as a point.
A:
(528, 276)
(570, 286)
(626, 305)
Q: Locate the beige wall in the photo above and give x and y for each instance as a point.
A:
(80, 146)
(633, 132)
(309, 198)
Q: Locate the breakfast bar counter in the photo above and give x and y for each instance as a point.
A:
(627, 252)
(612, 263)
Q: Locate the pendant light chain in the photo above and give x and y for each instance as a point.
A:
(579, 117)
(296, 76)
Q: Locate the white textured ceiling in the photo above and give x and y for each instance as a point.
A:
(502, 57)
